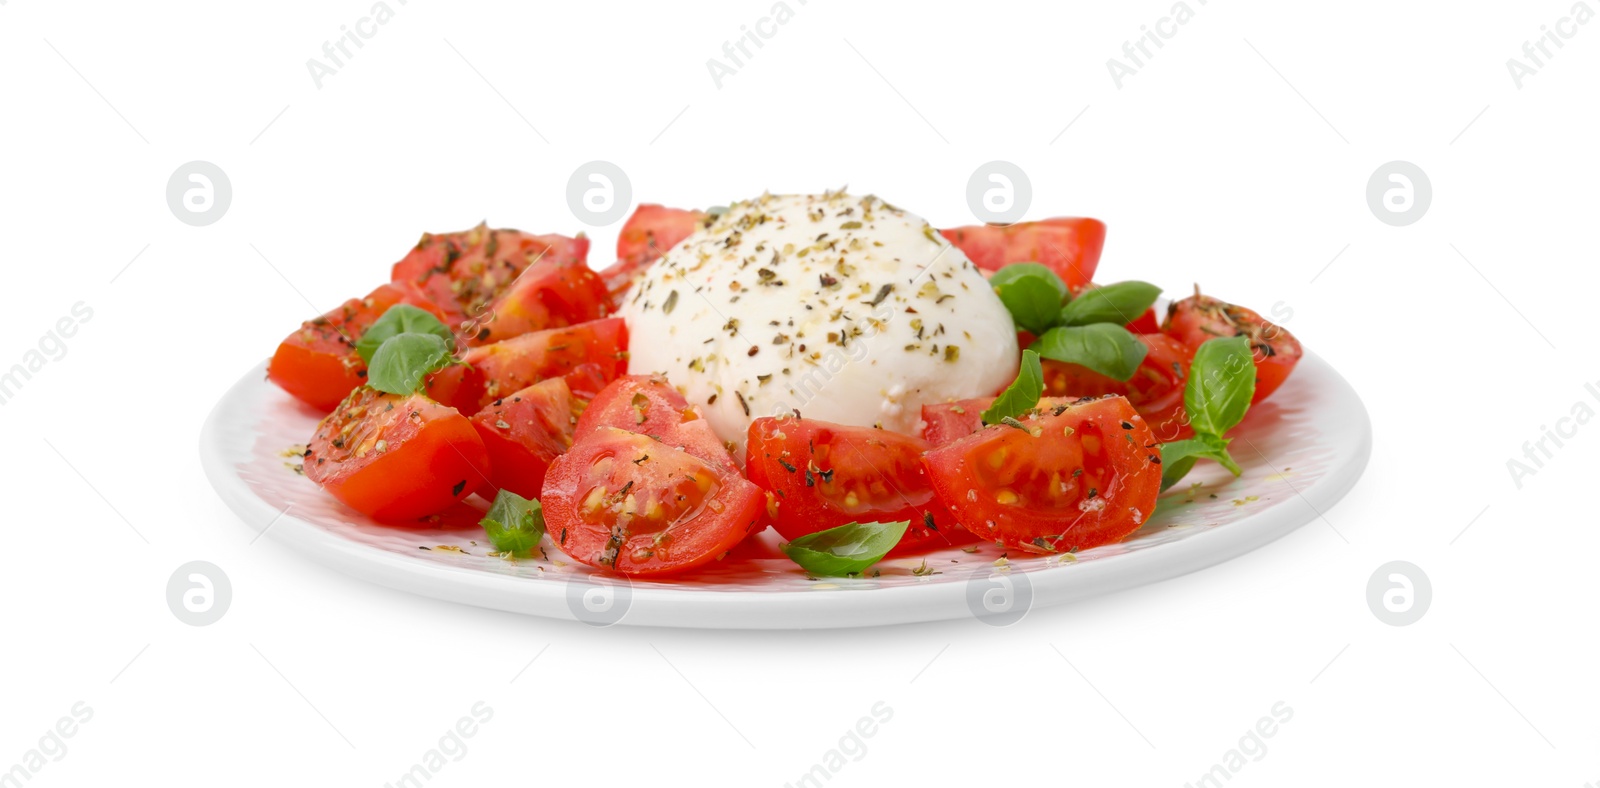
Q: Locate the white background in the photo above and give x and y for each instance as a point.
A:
(1238, 156)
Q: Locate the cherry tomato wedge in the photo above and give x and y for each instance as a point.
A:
(1155, 390)
(525, 432)
(645, 237)
(1198, 318)
(630, 503)
(396, 458)
(548, 294)
(1069, 246)
(1071, 477)
(581, 353)
(945, 422)
(822, 475)
(463, 273)
(318, 363)
(649, 405)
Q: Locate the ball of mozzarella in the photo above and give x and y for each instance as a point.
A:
(844, 308)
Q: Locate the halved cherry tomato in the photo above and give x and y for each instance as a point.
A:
(394, 457)
(525, 432)
(580, 353)
(645, 237)
(547, 294)
(318, 363)
(628, 502)
(1198, 318)
(1069, 246)
(1155, 390)
(649, 405)
(463, 273)
(1069, 478)
(821, 475)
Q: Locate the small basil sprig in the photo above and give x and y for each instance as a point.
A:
(400, 319)
(1088, 330)
(514, 524)
(1032, 293)
(1118, 303)
(1222, 379)
(845, 550)
(1106, 348)
(404, 360)
(1023, 393)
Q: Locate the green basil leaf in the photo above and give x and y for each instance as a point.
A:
(403, 360)
(1106, 348)
(1120, 303)
(847, 549)
(1034, 304)
(1023, 393)
(1013, 271)
(400, 319)
(1222, 380)
(514, 524)
(1178, 457)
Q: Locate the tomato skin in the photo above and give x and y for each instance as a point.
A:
(525, 432)
(581, 353)
(396, 458)
(1155, 390)
(318, 363)
(631, 504)
(1195, 319)
(645, 237)
(1079, 476)
(1069, 246)
(649, 405)
(813, 471)
(463, 273)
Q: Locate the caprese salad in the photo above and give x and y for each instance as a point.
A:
(830, 366)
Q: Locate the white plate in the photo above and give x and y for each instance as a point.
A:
(1302, 450)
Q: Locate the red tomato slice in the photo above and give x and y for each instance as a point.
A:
(463, 273)
(1069, 246)
(548, 294)
(318, 363)
(1073, 477)
(1156, 388)
(580, 353)
(823, 475)
(649, 405)
(946, 422)
(525, 432)
(1198, 318)
(396, 458)
(645, 237)
(628, 502)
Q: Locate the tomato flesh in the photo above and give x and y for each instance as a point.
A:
(525, 432)
(318, 363)
(1275, 351)
(583, 354)
(548, 294)
(1071, 477)
(649, 405)
(396, 458)
(1069, 246)
(822, 475)
(632, 504)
